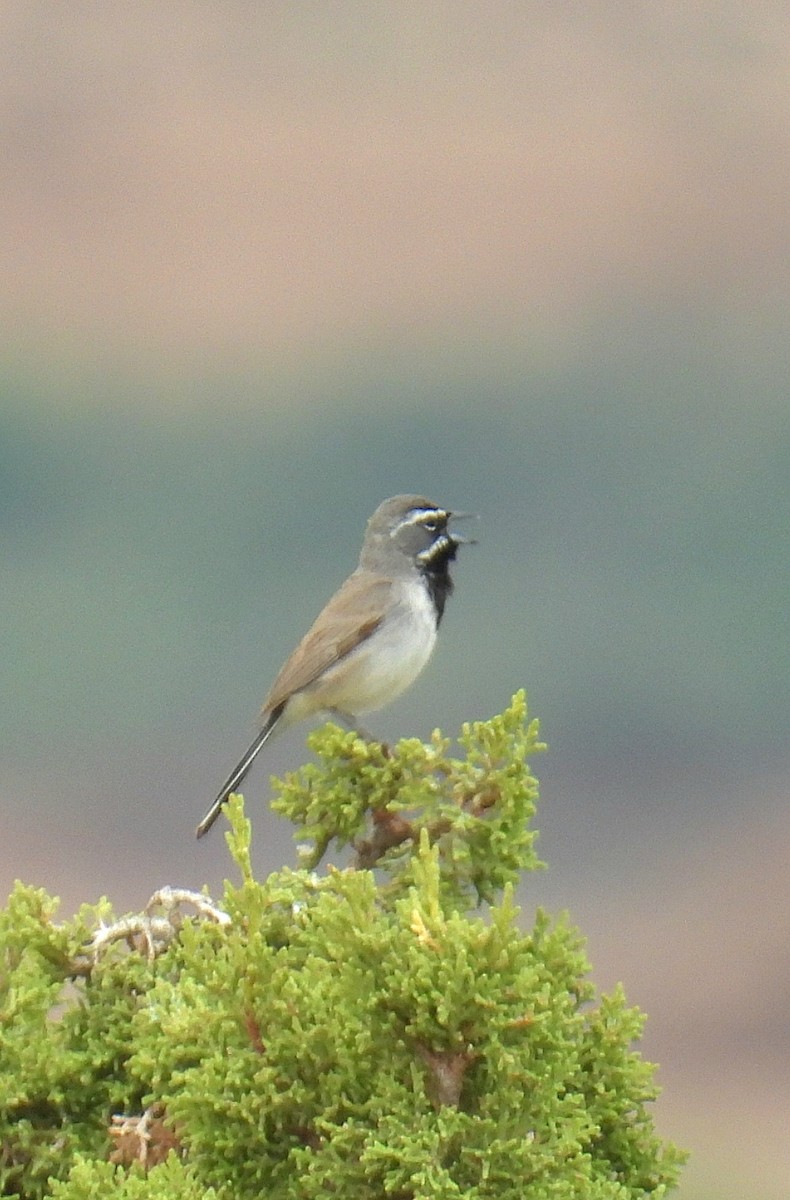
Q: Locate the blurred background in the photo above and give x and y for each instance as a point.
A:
(266, 264)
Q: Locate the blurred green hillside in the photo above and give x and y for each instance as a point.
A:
(631, 561)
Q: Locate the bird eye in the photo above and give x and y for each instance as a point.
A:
(431, 525)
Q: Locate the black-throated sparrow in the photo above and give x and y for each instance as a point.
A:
(373, 637)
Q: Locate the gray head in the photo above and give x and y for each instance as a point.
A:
(408, 532)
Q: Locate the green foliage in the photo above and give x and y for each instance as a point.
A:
(476, 808)
(63, 1042)
(357, 1034)
(97, 1180)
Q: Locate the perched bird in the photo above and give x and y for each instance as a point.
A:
(374, 636)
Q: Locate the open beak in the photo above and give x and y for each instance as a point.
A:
(459, 539)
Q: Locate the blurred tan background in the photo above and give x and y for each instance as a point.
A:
(264, 264)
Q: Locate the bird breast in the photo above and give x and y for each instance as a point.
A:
(387, 662)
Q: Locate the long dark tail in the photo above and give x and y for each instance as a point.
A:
(239, 772)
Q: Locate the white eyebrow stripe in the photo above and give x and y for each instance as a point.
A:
(419, 516)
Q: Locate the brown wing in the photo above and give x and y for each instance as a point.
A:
(351, 616)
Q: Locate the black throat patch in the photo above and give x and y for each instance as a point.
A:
(435, 570)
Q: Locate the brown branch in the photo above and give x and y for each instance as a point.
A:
(389, 829)
(144, 1139)
(253, 1030)
(445, 1074)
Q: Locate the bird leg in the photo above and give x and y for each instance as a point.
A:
(350, 723)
